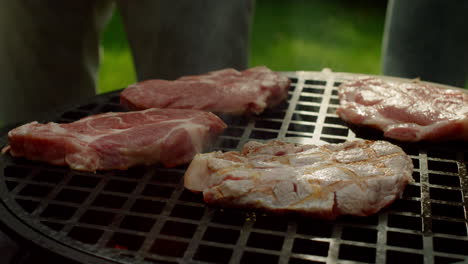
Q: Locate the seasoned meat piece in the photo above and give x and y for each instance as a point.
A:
(224, 91)
(406, 111)
(118, 140)
(353, 178)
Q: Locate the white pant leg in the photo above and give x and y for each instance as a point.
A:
(179, 37)
(427, 39)
(48, 54)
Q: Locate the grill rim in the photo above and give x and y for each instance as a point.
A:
(27, 234)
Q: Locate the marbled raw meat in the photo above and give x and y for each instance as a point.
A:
(406, 111)
(118, 140)
(224, 91)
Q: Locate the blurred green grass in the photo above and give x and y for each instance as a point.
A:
(311, 35)
(116, 69)
(286, 36)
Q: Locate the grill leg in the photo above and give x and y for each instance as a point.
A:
(8, 249)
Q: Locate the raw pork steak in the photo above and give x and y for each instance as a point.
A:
(224, 91)
(406, 111)
(118, 140)
(353, 178)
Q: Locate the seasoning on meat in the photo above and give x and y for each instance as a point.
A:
(118, 140)
(406, 111)
(353, 178)
(224, 91)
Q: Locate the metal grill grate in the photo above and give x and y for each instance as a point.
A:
(145, 215)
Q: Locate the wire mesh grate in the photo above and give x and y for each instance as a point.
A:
(144, 214)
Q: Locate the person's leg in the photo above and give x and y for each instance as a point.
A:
(427, 39)
(8, 249)
(48, 54)
(180, 37)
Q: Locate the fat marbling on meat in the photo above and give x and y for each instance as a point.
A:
(352, 178)
(118, 140)
(223, 91)
(406, 111)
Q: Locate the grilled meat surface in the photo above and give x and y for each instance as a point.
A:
(224, 91)
(406, 111)
(118, 140)
(353, 178)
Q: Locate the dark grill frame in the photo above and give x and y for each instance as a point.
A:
(144, 215)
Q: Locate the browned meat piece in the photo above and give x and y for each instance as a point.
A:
(354, 178)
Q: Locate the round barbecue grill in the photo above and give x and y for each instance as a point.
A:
(144, 214)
